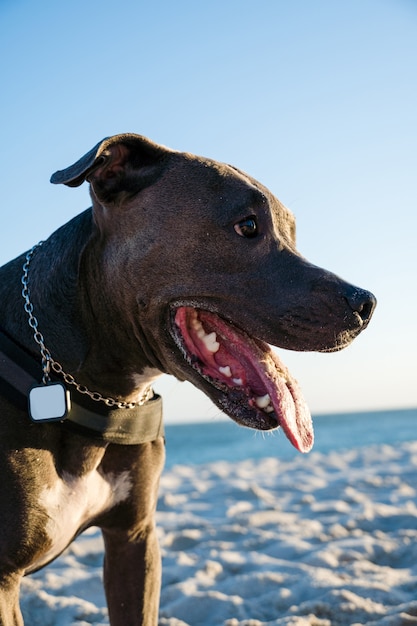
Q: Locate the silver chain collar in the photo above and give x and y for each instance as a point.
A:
(49, 363)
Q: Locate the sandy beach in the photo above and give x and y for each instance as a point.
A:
(321, 540)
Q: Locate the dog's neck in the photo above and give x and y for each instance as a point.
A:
(102, 357)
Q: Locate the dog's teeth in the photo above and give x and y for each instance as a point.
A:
(269, 409)
(194, 318)
(210, 342)
(196, 324)
(238, 381)
(226, 371)
(263, 401)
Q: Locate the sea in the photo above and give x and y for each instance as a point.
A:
(206, 442)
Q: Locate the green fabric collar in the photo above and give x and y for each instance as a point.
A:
(140, 424)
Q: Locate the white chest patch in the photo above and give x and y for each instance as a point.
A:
(73, 501)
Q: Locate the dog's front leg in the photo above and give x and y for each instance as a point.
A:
(132, 562)
(132, 578)
(10, 614)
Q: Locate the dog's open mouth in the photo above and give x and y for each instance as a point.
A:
(242, 375)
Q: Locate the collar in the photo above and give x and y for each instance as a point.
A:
(19, 372)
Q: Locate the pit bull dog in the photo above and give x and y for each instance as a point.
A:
(184, 266)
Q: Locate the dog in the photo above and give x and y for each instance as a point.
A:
(184, 266)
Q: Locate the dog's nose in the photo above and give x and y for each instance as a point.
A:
(362, 302)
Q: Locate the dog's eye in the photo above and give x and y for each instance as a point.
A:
(247, 227)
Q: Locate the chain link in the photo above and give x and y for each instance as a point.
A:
(49, 363)
(33, 322)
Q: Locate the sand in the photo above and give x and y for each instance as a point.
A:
(321, 540)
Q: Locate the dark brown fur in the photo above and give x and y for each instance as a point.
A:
(161, 231)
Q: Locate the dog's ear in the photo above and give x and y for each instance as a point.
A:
(119, 164)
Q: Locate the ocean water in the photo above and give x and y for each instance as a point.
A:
(205, 442)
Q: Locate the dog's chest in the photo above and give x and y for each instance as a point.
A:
(73, 502)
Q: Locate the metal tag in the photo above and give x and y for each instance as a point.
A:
(49, 403)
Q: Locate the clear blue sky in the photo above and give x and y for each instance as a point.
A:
(315, 98)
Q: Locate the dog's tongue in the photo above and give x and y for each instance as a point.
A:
(289, 405)
(250, 367)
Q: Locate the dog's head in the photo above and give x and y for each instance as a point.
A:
(200, 261)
